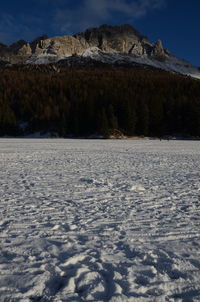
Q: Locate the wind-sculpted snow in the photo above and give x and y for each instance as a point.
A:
(99, 221)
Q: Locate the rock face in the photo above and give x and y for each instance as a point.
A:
(60, 46)
(118, 39)
(114, 45)
(158, 51)
(109, 39)
(121, 39)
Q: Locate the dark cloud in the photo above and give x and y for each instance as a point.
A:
(69, 16)
(90, 13)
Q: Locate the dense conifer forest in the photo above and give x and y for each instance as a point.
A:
(99, 101)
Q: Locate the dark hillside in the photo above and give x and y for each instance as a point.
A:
(86, 101)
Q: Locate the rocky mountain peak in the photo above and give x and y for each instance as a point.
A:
(108, 30)
(14, 47)
(37, 43)
(40, 38)
(122, 39)
(109, 44)
(159, 52)
(117, 39)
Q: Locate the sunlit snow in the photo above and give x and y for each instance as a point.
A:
(99, 220)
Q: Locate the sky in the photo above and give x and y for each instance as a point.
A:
(175, 22)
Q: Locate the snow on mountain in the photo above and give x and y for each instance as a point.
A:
(92, 52)
(108, 44)
(171, 63)
(42, 59)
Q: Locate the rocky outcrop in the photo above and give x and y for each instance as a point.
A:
(122, 39)
(109, 39)
(25, 50)
(15, 47)
(158, 51)
(37, 43)
(118, 39)
(61, 46)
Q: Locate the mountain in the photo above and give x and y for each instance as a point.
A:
(115, 45)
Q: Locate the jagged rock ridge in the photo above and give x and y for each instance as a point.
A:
(115, 39)
(108, 44)
(121, 39)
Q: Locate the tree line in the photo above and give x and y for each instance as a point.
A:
(99, 101)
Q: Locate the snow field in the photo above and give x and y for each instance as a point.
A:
(95, 220)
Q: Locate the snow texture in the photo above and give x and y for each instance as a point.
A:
(171, 63)
(99, 220)
(42, 59)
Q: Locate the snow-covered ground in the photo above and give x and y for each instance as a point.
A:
(99, 220)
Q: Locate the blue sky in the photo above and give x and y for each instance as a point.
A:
(175, 22)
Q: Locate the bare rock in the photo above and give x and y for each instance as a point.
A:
(15, 47)
(118, 39)
(123, 39)
(158, 51)
(63, 46)
(25, 50)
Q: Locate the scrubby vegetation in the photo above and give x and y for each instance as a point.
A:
(87, 101)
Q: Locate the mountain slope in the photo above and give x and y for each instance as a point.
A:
(103, 101)
(118, 45)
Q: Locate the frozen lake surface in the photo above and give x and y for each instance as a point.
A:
(99, 220)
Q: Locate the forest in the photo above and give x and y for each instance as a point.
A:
(89, 101)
